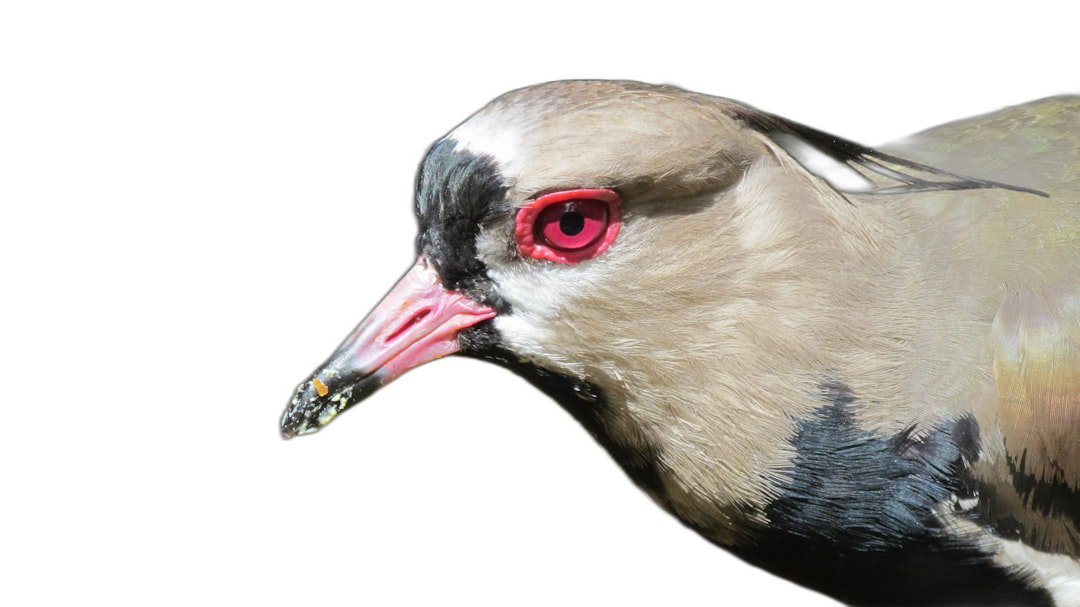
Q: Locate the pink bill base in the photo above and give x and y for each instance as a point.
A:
(418, 321)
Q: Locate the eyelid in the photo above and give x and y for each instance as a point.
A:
(603, 194)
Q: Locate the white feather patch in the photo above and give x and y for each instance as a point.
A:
(486, 134)
(1057, 573)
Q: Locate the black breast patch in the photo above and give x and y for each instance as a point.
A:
(856, 519)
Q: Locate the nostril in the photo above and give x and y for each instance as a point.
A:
(418, 316)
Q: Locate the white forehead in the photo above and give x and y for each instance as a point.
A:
(492, 133)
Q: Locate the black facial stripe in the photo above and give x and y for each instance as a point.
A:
(584, 401)
(457, 191)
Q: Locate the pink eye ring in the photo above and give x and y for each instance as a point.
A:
(569, 226)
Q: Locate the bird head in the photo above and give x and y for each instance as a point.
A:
(668, 267)
(656, 260)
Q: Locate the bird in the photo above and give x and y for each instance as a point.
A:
(863, 378)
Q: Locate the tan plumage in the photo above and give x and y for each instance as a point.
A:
(1014, 262)
(802, 374)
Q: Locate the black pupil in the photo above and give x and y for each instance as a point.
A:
(572, 223)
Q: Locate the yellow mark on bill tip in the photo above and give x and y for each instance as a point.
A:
(319, 386)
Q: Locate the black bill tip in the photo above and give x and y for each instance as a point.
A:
(319, 400)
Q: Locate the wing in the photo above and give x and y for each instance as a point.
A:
(1021, 259)
(1034, 147)
(1037, 374)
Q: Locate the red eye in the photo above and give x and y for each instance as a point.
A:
(569, 226)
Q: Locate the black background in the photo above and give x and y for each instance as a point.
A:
(458, 481)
